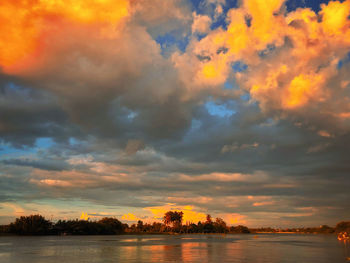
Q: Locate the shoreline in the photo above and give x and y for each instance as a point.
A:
(166, 234)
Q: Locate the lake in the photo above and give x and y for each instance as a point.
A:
(269, 248)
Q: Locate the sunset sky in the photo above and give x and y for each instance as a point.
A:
(131, 108)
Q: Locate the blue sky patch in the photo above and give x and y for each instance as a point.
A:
(220, 110)
(228, 85)
(265, 52)
(239, 66)
(132, 115)
(343, 61)
(313, 4)
(245, 97)
(201, 36)
(44, 142)
(203, 8)
(195, 125)
(169, 39)
(219, 22)
(6, 149)
(73, 141)
(12, 88)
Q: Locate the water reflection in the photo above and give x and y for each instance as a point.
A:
(345, 244)
(187, 248)
(194, 252)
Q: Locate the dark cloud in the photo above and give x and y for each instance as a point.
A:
(50, 165)
(129, 129)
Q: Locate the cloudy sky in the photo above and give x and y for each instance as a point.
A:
(131, 108)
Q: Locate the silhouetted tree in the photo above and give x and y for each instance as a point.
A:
(343, 227)
(173, 217)
(200, 227)
(111, 225)
(208, 225)
(239, 229)
(5, 229)
(220, 226)
(31, 225)
(193, 228)
(209, 220)
(140, 226)
(326, 229)
(157, 227)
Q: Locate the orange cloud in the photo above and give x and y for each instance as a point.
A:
(16, 209)
(63, 179)
(335, 18)
(265, 26)
(98, 175)
(264, 203)
(214, 72)
(24, 25)
(344, 115)
(201, 23)
(130, 217)
(84, 216)
(52, 182)
(292, 58)
(234, 218)
(301, 89)
(227, 177)
(237, 36)
(324, 134)
(88, 11)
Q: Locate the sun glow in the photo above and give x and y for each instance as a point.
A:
(189, 215)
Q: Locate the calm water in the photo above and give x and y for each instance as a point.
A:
(269, 248)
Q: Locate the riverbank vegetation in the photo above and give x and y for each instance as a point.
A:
(172, 223)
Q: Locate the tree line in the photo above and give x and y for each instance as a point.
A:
(172, 223)
(323, 229)
(38, 225)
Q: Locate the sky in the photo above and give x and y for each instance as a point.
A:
(131, 108)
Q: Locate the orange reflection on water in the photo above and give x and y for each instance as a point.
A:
(156, 252)
(194, 252)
